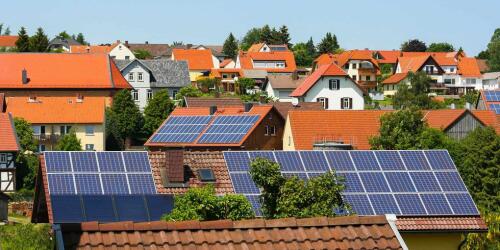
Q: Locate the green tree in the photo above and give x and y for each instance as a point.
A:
(267, 176)
(283, 37)
(142, 54)
(69, 142)
(266, 35)
(253, 36)
(7, 32)
(302, 55)
(413, 45)
(26, 160)
(415, 95)
(188, 91)
(311, 49)
(81, 39)
(39, 42)
(328, 44)
(63, 35)
(23, 42)
(494, 51)
(157, 110)
(203, 204)
(440, 47)
(126, 121)
(243, 84)
(207, 84)
(230, 47)
(483, 55)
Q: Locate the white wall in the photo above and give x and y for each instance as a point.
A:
(121, 52)
(216, 62)
(143, 86)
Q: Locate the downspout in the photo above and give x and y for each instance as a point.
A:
(391, 219)
(59, 236)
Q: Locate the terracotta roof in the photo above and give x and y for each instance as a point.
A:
(156, 50)
(395, 79)
(468, 67)
(412, 63)
(327, 58)
(255, 47)
(92, 48)
(284, 107)
(198, 59)
(218, 72)
(57, 109)
(225, 62)
(2, 102)
(489, 118)
(483, 66)
(468, 224)
(345, 56)
(56, 70)
(284, 81)
(8, 41)
(247, 59)
(8, 137)
(288, 233)
(208, 102)
(389, 56)
(195, 161)
(324, 70)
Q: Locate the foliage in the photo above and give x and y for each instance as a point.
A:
(7, 32)
(39, 42)
(188, 91)
(328, 44)
(81, 39)
(283, 37)
(386, 72)
(157, 110)
(267, 35)
(63, 35)
(483, 55)
(440, 47)
(251, 37)
(494, 51)
(26, 236)
(125, 119)
(24, 133)
(413, 45)
(142, 54)
(415, 95)
(69, 142)
(207, 84)
(177, 43)
(260, 97)
(311, 49)
(23, 195)
(490, 240)
(243, 84)
(302, 54)
(26, 161)
(23, 42)
(230, 47)
(203, 204)
(267, 176)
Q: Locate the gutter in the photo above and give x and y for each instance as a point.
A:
(391, 219)
(58, 236)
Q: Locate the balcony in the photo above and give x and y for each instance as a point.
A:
(368, 84)
(47, 138)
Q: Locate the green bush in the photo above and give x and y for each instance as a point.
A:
(26, 236)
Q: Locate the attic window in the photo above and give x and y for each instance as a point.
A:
(79, 98)
(32, 98)
(206, 175)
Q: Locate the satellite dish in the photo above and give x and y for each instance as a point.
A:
(295, 102)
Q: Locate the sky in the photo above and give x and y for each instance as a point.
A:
(373, 24)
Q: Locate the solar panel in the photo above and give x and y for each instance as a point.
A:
(374, 182)
(462, 204)
(61, 184)
(340, 160)
(440, 159)
(436, 204)
(399, 182)
(57, 162)
(255, 202)
(228, 129)
(84, 161)
(110, 162)
(177, 129)
(495, 107)
(414, 160)
(425, 182)
(384, 204)
(67, 209)
(141, 184)
(352, 183)
(136, 161)
(115, 184)
(300, 175)
(243, 184)
(289, 161)
(410, 204)
(364, 160)
(88, 184)
(158, 205)
(131, 208)
(389, 160)
(492, 95)
(359, 203)
(99, 208)
(314, 161)
(451, 181)
(261, 154)
(237, 161)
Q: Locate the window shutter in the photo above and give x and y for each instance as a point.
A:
(338, 84)
(326, 103)
(350, 102)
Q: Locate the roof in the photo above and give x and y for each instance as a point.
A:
(348, 55)
(247, 59)
(60, 71)
(256, 47)
(358, 126)
(327, 58)
(166, 73)
(396, 78)
(64, 41)
(8, 41)
(468, 67)
(156, 50)
(284, 107)
(491, 75)
(225, 62)
(255, 73)
(92, 48)
(198, 59)
(288, 233)
(483, 65)
(284, 81)
(58, 109)
(8, 137)
(208, 102)
(412, 63)
(388, 56)
(489, 118)
(2, 102)
(468, 224)
(310, 81)
(218, 72)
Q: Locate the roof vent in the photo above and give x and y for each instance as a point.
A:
(213, 109)
(24, 76)
(206, 175)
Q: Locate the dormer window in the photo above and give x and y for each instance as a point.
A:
(79, 98)
(139, 77)
(130, 76)
(32, 98)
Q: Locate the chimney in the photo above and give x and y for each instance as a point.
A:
(126, 43)
(146, 42)
(248, 107)
(173, 172)
(24, 76)
(189, 45)
(118, 41)
(467, 106)
(213, 109)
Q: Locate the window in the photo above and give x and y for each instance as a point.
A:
(139, 77)
(470, 81)
(270, 130)
(32, 98)
(452, 69)
(150, 94)
(89, 147)
(368, 78)
(3, 158)
(224, 76)
(206, 175)
(346, 103)
(135, 95)
(79, 98)
(36, 130)
(127, 57)
(41, 147)
(354, 78)
(334, 84)
(174, 93)
(89, 130)
(280, 65)
(429, 69)
(131, 76)
(354, 66)
(324, 101)
(64, 129)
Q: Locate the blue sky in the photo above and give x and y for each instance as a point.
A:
(358, 24)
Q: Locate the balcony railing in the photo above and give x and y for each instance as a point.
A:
(47, 138)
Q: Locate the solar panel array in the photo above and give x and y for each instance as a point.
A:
(495, 107)
(492, 95)
(408, 183)
(94, 173)
(225, 129)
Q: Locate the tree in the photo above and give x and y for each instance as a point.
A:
(125, 118)
(311, 49)
(483, 55)
(244, 84)
(23, 42)
(203, 204)
(251, 37)
(302, 55)
(142, 54)
(26, 160)
(413, 45)
(63, 35)
(188, 91)
(415, 95)
(7, 32)
(69, 142)
(39, 42)
(440, 47)
(283, 37)
(494, 51)
(230, 47)
(266, 34)
(157, 110)
(81, 39)
(328, 44)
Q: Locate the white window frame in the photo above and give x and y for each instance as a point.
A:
(37, 129)
(89, 147)
(345, 102)
(470, 80)
(323, 101)
(3, 158)
(89, 130)
(135, 95)
(334, 84)
(131, 76)
(140, 77)
(32, 98)
(150, 94)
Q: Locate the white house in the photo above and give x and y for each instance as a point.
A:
(280, 87)
(330, 85)
(117, 50)
(491, 80)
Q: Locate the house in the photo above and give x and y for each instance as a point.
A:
(205, 102)
(200, 61)
(483, 65)
(489, 100)
(62, 44)
(150, 76)
(387, 56)
(214, 128)
(280, 87)
(8, 42)
(277, 60)
(360, 66)
(333, 129)
(51, 117)
(215, 49)
(9, 148)
(227, 77)
(227, 63)
(4, 207)
(263, 47)
(117, 50)
(284, 108)
(331, 86)
(491, 80)
(157, 50)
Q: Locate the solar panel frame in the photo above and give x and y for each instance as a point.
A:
(399, 182)
(67, 209)
(425, 182)
(450, 182)
(88, 183)
(63, 162)
(289, 161)
(390, 160)
(384, 204)
(360, 203)
(414, 160)
(243, 184)
(374, 182)
(365, 160)
(99, 208)
(341, 162)
(314, 161)
(84, 161)
(462, 203)
(436, 204)
(410, 204)
(61, 184)
(439, 160)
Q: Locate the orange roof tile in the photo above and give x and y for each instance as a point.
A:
(412, 63)
(389, 56)
(225, 62)
(324, 70)
(468, 224)
(208, 102)
(198, 59)
(468, 67)
(395, 79)
(8, 137)
(442, 58)
(8, 41)
(348, 55)
(489, 118)
(218, 72)
(483, 66)
(58, 109)
(327, 58)
(256, 47)
(247, 59)
(54, 70)
(105, 49)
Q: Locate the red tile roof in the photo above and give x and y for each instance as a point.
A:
(284, 107)
(256, 47)
(395, 79)
(225, 62)
(459, 224)
(58, 109)
(327, 58)
(8, 41)
(483, 66)
(468, 67)
(205, 102)
(353, 232)
(310, 81)
(104, 49)
(54, 70)
(8, 137)
(2, 102)
(348, 55)
(247, 59)
(218, 72)
(389, 56)
(198, 59)
(412, 63)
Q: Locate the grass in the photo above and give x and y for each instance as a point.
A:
(17, 218)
